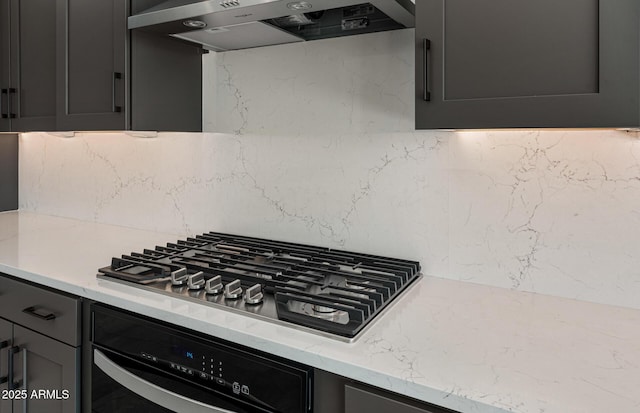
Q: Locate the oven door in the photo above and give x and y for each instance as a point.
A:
(120, 384)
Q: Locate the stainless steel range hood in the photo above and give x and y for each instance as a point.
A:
(220, 25)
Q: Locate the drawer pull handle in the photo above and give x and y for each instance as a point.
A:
(32, 311)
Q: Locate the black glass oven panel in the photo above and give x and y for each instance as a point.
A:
(235, 372)
(109, 396)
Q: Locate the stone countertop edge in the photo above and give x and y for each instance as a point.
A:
(463, 346)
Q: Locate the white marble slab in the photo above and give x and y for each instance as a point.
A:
(460, 345)
(554, 212)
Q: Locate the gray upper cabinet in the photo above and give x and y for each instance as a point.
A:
(73, 65)
(91, 56)
(166, 84)
(166, 80)
(111, 79)
(517, 63)
(5, 70)
(27, 65)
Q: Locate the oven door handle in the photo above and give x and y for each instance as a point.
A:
(155, 394)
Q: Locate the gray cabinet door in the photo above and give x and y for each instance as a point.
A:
(6, 335)
(33, 64)
(519, 63)
(5, 77)
(91, 54)
(49, 367)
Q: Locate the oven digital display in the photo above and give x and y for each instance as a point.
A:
(183, 352)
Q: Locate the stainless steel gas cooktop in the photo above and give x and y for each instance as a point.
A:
(330, 292)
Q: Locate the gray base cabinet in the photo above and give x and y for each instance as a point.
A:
(6, 337)
(337, 394)
(359, 399)
(517, 63)
(48, 370)
(40, 355)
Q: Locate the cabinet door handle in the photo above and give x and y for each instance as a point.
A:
(114, 107)
(426, 69)
(12, 384)
(33, 312)
(12, 91)
(24, 379)
(4, 344)
(4, 109)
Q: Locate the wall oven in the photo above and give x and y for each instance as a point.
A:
(145, 366)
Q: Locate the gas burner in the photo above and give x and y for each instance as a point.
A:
(321, 309)
(322, 313)
(336, 293)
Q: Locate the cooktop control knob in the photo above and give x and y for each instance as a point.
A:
(233, 290)
(214, 285)
(179, 277)
(253, 295)
(196, 281)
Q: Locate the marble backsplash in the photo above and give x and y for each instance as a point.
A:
(314, 143)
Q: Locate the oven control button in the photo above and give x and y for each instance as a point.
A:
(220, 381)
(186, 370)
(253, 295)
(196, 281)
(236, 387)
(179, 277)
(203, 375)
(214, 285)
(233, 290)
(245, 389)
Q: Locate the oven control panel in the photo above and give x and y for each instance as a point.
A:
(267, 381)
(210, 370)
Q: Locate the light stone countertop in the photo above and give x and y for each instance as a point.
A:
(459, 345)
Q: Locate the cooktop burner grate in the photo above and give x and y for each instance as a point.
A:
(332, 291)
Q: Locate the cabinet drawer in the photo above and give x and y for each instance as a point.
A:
(51, 313)
(361, 399)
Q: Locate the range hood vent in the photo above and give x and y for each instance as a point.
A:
(221, 25)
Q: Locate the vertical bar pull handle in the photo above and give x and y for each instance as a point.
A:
(24, 379)
(12, 385)
(4, 109)
(115, 108)
(426, 69)
(12, 91)
(4, 344)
